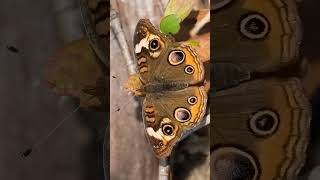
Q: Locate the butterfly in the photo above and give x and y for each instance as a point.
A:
(169, 77)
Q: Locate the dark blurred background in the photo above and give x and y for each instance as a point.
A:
(309, 12)
(30, 33)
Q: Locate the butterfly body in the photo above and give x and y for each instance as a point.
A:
(169, 77)
(162, 87)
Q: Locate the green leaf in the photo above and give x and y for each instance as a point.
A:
(181, 8)
(170, 24)
(193, 42)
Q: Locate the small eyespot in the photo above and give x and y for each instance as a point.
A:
(189, 69)
(254, 26)
(192, 100)
(142, 31)
(176, 57)
(158, 145)
(167, 129)
(182, 114)
(264, 123)
(154, 45)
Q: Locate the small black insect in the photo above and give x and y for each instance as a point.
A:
(27, 153)
(12, 49)
(113, 77)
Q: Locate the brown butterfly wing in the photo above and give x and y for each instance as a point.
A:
(260, 130)
(166, 62)
(148, 58)
(179, 64)
(169, 114)
(257, 35)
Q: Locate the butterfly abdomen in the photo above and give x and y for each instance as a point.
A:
(161, 87)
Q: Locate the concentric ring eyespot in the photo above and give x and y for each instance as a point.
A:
(154, 44)
(264, 123)
(254, 26)
(192, 100)
(182, 114)
(189, 69)
(168, 129)
(231, 162)
(176, 57)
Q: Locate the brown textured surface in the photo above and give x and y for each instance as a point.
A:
(130, 155)
(28, 110)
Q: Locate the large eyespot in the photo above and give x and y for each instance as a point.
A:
(182, 114)
(154, 45)
(189, 69)
(254, 26)
(233, 163)
(176, 57)
(192, 100)
(168, 129)
(264, 123)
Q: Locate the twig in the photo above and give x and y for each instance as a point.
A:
(164, 169)
(200, 24)
(117, 31)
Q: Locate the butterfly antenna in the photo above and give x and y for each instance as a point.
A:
(130, 101)
(28, 151)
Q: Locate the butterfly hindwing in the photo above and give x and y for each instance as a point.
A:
(167, 115)
(262, 126)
